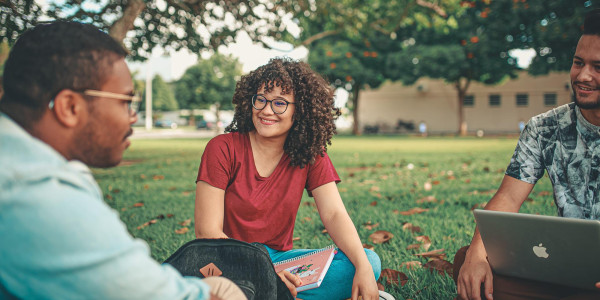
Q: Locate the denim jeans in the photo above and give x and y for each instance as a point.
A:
(337, 283)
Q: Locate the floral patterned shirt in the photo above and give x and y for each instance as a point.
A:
(562, 142)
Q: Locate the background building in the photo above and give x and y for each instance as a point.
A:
(394, 108)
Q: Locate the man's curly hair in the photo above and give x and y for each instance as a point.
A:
(315, 112)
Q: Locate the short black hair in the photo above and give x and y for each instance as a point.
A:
(591, 25)
(52, 57)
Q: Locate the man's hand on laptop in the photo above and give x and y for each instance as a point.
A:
(475, 271)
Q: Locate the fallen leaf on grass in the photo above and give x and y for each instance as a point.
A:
(116, 191)
(413, 246)
(544, 193)
(324, 231)
(436, 182)
(170, 215)
(393, 277)
(143, 176)
(380, 287)
(412, 211)
(468, 181)
(395, 211)
(374, 203)
(370, 226)
(182, 230)
(411, 227)
(296, 239)
(380, 236)
(146, 186)
(367, 246)
(425, 240)
(139, 204)
(439, 265)
(374, 189)
(186, 193)
(158, 177)
(109, 197)
(186, 222)
(438, 253)
(411, 264)
(427, 199)
(172, 188)
(309, 204)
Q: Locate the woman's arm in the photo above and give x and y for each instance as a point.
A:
(209, 211)
(344, 235)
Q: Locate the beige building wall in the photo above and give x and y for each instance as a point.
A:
(435, 103)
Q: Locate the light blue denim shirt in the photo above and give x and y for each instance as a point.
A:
(59, 240)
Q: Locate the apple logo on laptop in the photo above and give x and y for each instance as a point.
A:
(540, 251)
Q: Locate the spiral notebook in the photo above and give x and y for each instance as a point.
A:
(310, 267)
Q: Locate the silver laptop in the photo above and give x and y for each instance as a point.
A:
(559, 250)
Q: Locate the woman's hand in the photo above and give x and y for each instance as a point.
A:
(364, 285)
(291, 281)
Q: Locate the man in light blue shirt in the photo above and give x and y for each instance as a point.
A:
(68, 104)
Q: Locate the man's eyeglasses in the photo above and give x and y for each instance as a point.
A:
(278, 106)
(133, 101)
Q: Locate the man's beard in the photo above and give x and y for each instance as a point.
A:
(584, 105)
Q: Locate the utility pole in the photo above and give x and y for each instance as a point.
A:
(148, 96)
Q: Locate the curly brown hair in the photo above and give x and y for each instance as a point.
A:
(314, 118)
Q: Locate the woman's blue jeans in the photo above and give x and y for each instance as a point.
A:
(337, 283)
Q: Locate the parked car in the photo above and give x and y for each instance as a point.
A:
(165, 124)
(205, 125)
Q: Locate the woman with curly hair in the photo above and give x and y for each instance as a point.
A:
(250, 181)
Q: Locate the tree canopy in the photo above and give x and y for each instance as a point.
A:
(210, 82)
(142, 25)
(478, 49)
(162, 95)
(350, 46)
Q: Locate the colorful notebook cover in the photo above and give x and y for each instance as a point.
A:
(310, 267)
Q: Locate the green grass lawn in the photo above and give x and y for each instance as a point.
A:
(381, 177)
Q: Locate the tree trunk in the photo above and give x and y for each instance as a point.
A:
(118, 30)
(355, 92)
(461, 90)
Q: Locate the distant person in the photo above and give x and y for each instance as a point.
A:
(564, 142)
(68, 104)
(521, 126)
(251, 180)
(423, 128)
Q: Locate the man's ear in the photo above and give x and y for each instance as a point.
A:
(70, 108)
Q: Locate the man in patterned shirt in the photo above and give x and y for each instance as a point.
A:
(566, 143)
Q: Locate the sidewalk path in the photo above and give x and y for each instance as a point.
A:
(141, 133)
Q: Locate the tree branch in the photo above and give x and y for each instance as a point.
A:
(440, 11)
(318, 36)
(118, 30)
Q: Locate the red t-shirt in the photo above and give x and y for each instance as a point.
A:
(259, 209)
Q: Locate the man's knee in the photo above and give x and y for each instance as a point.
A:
(224, 288)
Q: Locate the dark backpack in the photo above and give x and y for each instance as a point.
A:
(247, 265)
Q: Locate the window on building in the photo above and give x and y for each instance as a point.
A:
(469, 101)
(495, 100)
(550, 99)
(522, 99)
